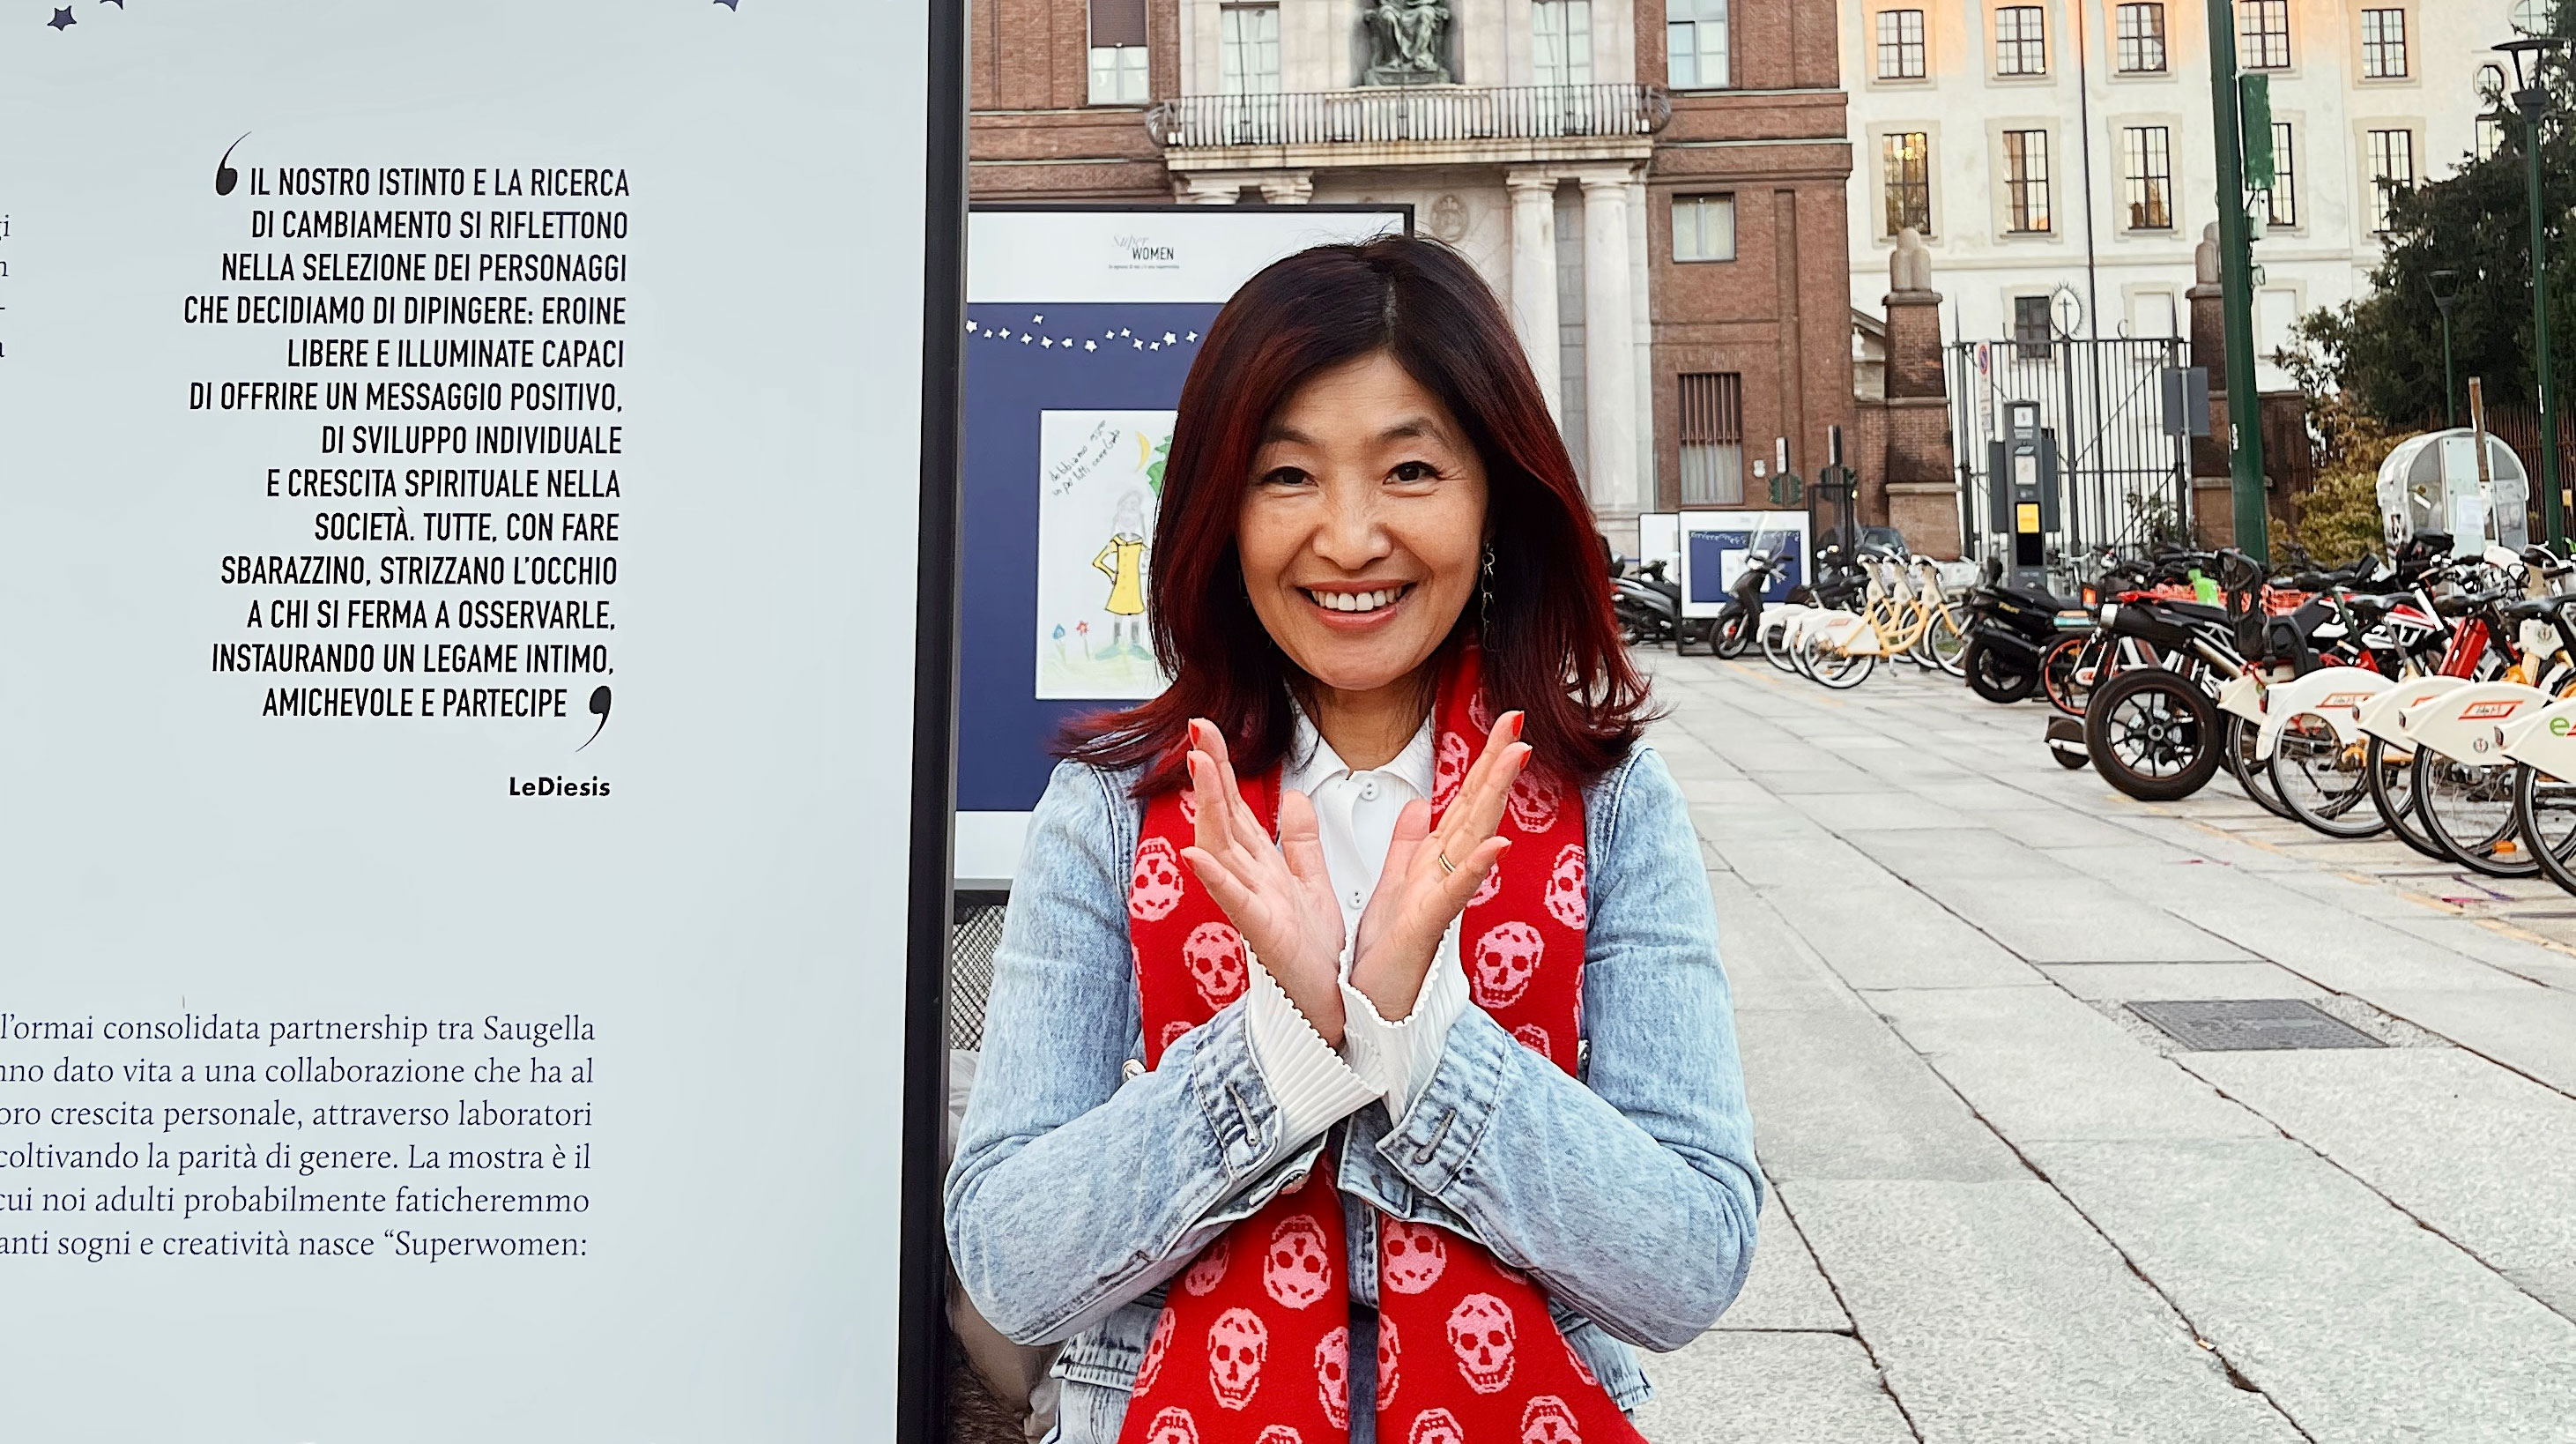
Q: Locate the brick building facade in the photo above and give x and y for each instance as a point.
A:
(1655, 187)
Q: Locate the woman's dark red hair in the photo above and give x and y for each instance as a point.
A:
(1552, 646)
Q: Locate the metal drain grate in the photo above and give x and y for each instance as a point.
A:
(2240, 1024)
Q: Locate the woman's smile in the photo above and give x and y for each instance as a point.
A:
(1355, 606)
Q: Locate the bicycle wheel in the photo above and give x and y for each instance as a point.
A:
(2154, 734)
(2391, 774)
(1945, 645)
(1998, 675)
(1838, 669)
(2544, 811)
(2467, 809)
(2321, 778)
(2057, 668)
(1775, 644)
(2250, 773)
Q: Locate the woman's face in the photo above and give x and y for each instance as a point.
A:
(1363, 524)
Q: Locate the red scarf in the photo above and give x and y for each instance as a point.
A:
(1253, 1346)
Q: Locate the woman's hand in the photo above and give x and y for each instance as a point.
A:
(1280, 896)
(1416, 896)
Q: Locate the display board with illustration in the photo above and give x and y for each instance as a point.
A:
(1100, 476)
(1714, 545)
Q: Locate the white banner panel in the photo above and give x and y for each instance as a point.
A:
(460, 486)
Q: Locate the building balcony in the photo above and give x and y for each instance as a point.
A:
(1410, 125)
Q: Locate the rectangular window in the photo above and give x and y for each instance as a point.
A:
(1908, 158)
(2383, 44)
(2021, 40)
(2263, 34)
(2146, 170)
(2490, 137)
(1695, 56)
(1703, 228)
(1248, 50)
(1900, 45)
(2392, 170)
(2284, 199)
(1561, 42)
(1712, 438)
(2031, 330)
(1118, 52)
(2142, 39)
(2026, 180)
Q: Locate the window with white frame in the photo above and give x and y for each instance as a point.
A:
(1118, 52)
(1561, 42)
(2021, 40)
(1704, 228)
(2263, 34)
(1906, 157)
(2383, 44)
(2392, 172)
(1248, 50)
(1900, 45)
(1695, 52)
(2146, 176)
(2282, 204)
(1712, 438)
(2026, 181)
(2492, 101)
(2141, 39)
(2034, 330)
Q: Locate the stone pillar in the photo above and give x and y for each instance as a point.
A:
(1534, 276)
(1609, 342)
(1207, 190)
(2213, 488)
(1641, 316)
(1918, 480)
(1288, 187)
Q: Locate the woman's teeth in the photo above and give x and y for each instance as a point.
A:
(1358, 601)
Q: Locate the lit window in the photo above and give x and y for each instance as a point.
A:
(2392, 172)
(1703, 228)
(1695, 55)
(2021, 40)
(2142, 39)
(2383, 44)
(1712, 438)
(2283, 202)
(1900, 45)
(1248, 50)
(1561, 42)
(2026, 180)
(2146, 170)
(1908, 158)
(1118, 52)
(2263, 34)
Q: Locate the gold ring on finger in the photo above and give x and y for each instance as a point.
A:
(1446, 866)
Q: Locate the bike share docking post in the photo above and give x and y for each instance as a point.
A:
(2021, 471)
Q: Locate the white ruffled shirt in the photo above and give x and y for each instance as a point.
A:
(1315, 1085)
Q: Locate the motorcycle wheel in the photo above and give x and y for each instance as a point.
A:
(2154, 735)
(1733, 632)
(2323, 779)
(2544, 810)
(2057, 667)
(2391, 775)
(2467, 809)
(1996, 676)
(2248, 770)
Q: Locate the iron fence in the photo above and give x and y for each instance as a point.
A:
(1381, 115)
(2122, 480)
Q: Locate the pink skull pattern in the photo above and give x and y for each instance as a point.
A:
(1173, 1426)
(1390, 1358)
(1214, 956)
(1333, 1375)
(1237, 1345)
(1546, 1420)
(1449, 768)
(1507, 957)
(1156, 887)
(1533, 1037)
(1165, 1323)
(1534, 799)
(1564, 896)
(1298, 1269)
(1173, 1032)
(1485, 890)
(1414, 1256)
(1280, 1434)
(1209, 1270)
(1481, 1335)
(1436, 1426)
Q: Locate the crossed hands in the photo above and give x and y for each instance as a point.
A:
(1280, 897)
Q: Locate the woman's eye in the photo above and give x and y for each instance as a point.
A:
(1416, 471)
(1284, 476)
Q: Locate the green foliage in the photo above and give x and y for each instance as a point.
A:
(2338, 512)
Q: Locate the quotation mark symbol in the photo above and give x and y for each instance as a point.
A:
(225, 176)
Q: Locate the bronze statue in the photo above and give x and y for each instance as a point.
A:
(1404, 42)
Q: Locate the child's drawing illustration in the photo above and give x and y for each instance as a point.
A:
(1100, 476)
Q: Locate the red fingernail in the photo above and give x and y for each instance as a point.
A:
(1517, 719)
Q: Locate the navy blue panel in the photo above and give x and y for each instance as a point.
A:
(1104, 357)
(1707, 568)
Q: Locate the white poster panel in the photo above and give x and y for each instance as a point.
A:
(1100, 477)
(459, 506)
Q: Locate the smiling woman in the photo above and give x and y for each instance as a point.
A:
(1358, 1062)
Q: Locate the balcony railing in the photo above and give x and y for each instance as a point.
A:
(1395, 115)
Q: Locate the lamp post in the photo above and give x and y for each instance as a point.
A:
(2531, 96)
(2236, 282)
(2446, 294)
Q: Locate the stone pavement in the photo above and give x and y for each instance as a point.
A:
(2005, 1208)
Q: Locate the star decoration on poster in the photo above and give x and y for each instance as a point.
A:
(1034, 332)
(62, 20)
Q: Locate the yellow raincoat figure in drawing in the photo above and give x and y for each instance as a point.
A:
(1123, 562)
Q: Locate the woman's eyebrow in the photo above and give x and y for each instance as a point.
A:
(1412, 426)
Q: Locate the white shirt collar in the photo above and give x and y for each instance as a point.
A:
(1312, 762)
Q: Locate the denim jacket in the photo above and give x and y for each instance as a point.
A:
(1629, 1194)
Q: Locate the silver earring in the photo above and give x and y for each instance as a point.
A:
(1485, 594)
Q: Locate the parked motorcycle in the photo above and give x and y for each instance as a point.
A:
(1741, 622)
(1647, 603)
(2010, 630)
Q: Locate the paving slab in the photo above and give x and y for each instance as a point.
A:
(1997, 1313)
(2530, 1029)
(1866, 812)
(2060, 917)
(2359, 1324)
(1834, 1094)
(1768, 966)
(1893, 936)
(2151, 982)
(1785, 1290)
(2483, 1156)
(1735, 1387)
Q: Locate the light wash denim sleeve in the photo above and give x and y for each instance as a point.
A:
(1632, 1194)
(1073, 1191)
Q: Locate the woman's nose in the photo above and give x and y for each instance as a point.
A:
(1354, 531)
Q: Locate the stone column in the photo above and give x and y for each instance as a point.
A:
(1534, 276)
(1641, 316)
(1217, 190)
(1609, 342)
(1288, 187)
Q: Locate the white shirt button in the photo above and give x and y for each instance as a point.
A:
(1368, 790)
(1358, 899)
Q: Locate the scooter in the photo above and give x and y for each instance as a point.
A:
(1741, 623)
(1649, 606)
(2010, 629)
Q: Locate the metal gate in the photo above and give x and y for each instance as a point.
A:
(2125, 482)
